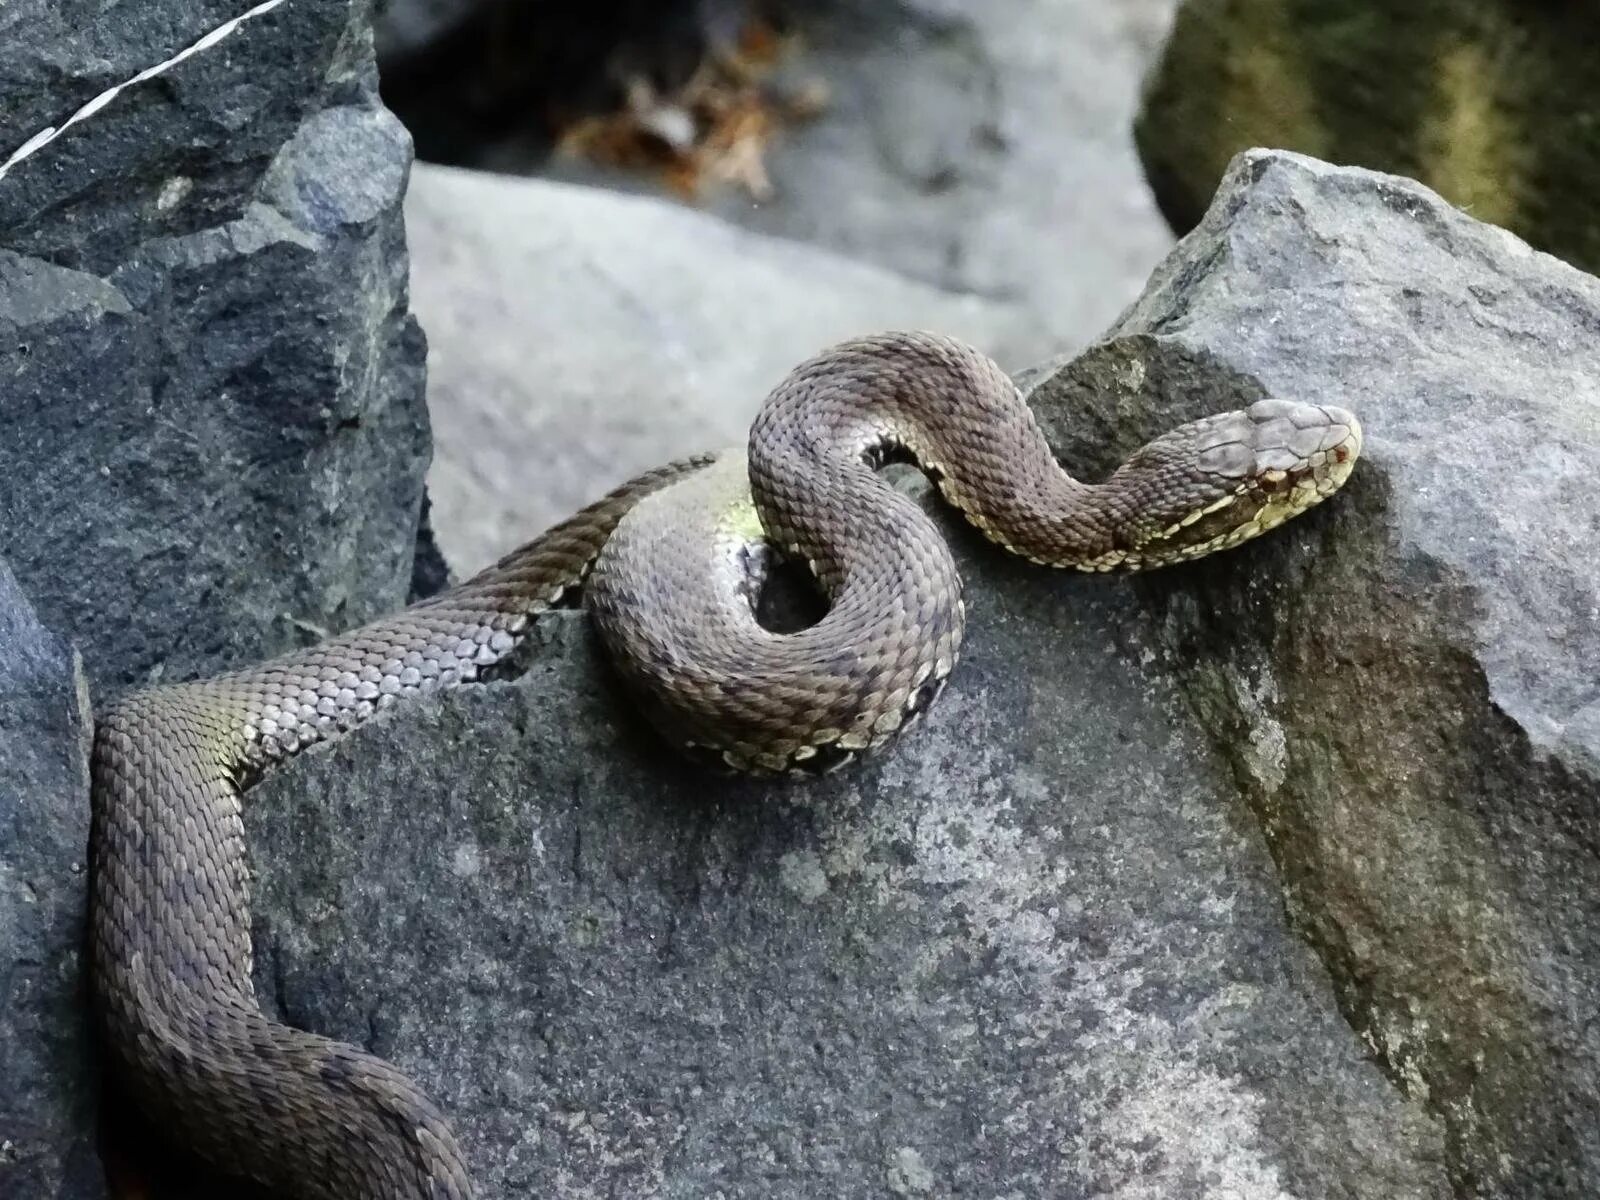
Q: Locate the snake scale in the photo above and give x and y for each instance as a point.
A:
(669, 565)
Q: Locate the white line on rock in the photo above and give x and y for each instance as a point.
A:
(50, 133)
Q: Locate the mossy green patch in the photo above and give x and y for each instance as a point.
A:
(1487, 101)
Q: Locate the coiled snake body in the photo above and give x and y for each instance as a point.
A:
(677, 555)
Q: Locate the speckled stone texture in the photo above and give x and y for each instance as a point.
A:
(1406, 688)
(47, 1070)
(215, 432)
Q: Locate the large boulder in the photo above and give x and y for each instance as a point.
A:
(1049, 943)
(47, 1072)
(578, 336)
(215, 432)
(1408, 688)
(1487, 101)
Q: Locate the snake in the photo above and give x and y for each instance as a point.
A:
(670, 566)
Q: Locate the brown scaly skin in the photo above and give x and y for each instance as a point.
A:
(679, 562)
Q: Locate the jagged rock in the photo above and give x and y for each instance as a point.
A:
(1485, 100)
(1408, 688)
(47, 1071)
(579, 336)
(213, 400)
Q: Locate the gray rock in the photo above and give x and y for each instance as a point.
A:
(1408, 689)
(1038, 950)
(213, 405)
(47, 1072)
(59, 57)
(178, 152)
(578, 337)
(967, 144)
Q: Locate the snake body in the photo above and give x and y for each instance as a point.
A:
(677, 556)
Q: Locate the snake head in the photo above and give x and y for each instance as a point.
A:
(1225, 479)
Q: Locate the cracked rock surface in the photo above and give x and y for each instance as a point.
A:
(213, 401)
